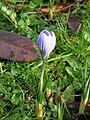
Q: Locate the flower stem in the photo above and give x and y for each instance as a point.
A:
(40, 97)
(42, 75)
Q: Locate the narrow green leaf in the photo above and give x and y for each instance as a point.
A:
(68, 94)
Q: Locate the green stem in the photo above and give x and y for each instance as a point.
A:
(61, 110)
(39, 104)
(42, 75)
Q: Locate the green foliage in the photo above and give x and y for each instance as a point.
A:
(85, 96)
(68, 66)
(68, 94)
(9, 13)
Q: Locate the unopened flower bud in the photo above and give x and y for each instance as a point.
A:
(46, 43)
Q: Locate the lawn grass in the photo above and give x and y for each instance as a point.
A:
(66, 71)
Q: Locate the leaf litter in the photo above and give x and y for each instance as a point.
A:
(16, 47)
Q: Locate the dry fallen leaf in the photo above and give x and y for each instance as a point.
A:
(74, 23)
(56, 8)
(16, 47)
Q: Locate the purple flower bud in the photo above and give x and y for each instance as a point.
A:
(46, 43)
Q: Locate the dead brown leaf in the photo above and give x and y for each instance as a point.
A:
(56, 8)
(74, 22)
(16, 47)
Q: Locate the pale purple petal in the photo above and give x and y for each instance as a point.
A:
(46, 42)
(46, 32)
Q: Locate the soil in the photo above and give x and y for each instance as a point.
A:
(73, 107)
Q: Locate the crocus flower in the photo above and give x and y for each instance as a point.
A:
(46, 43)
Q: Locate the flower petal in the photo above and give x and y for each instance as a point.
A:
(46, 32)
(46, 42)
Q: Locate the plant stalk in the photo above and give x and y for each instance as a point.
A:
(42, 75)
(39, 104)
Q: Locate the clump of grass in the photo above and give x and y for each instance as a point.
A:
(68, 66)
